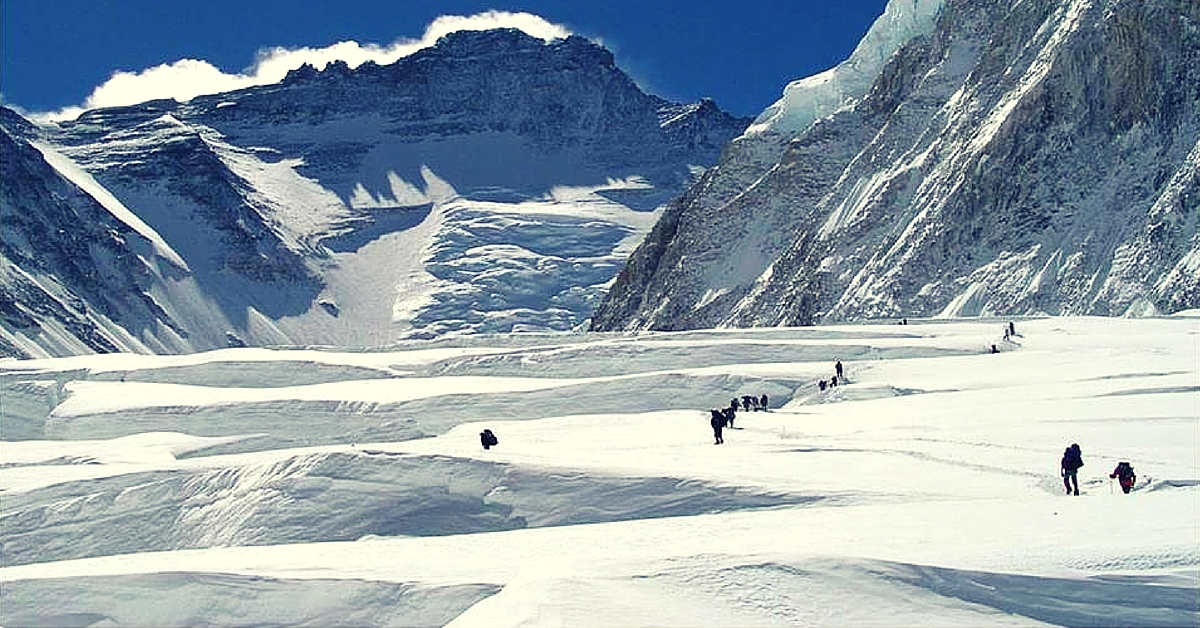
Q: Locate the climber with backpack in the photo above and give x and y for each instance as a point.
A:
(718, 422)
(1071, 461)
(1125, 475)
(488, 439)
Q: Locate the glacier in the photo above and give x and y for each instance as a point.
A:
(295, 487)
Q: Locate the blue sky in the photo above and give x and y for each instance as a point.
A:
(57, 53)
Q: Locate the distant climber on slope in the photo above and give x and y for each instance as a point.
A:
(718, 424)
(1125, 475)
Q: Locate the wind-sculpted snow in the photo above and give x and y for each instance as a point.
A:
(340, 496)
(188, 599)
(392, 409)
(297, 486)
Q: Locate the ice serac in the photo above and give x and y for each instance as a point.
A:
(1019, 158)
(493, 182)
(809, 99)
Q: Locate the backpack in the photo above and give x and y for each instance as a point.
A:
(1125, 472)
(488, 438)
(1072, 459)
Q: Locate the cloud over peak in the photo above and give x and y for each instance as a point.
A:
(187, 78)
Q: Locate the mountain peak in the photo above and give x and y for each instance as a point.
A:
(497, 40)
(505, 42)
(270, 193)
(501, 47)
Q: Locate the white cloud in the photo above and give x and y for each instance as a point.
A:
(187, 78)
(182, 80)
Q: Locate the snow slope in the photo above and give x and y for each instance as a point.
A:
(293, 487)
(81, 178)
(1017, 158)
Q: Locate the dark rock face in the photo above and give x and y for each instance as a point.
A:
(1036, 158)
(261, 193)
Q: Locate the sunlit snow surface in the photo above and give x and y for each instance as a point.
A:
(302, 487)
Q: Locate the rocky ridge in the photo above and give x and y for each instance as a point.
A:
(1019, 159)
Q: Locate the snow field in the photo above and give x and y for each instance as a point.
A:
(925, 490)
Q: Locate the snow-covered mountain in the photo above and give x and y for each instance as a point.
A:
(972, 157)
(492, 182)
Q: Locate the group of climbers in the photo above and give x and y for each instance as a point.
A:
(724, 417)
(1072, 460)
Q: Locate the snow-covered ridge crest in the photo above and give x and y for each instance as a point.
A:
(185, 79)
(814, 97)
(81, 178)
